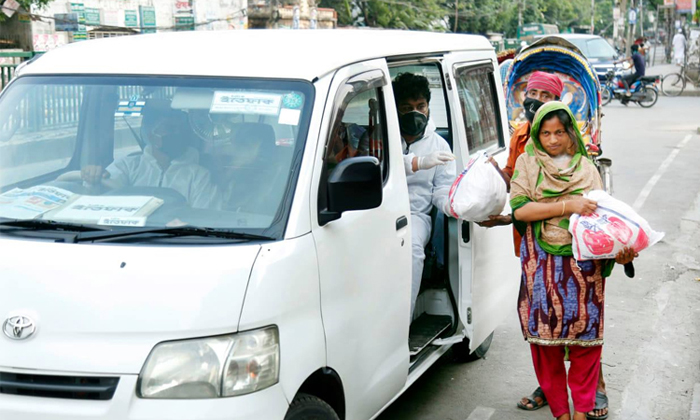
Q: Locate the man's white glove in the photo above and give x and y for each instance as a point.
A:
(434, 159)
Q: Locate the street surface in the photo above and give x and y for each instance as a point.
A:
(651, 357)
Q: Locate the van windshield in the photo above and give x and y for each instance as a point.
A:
(144, 152)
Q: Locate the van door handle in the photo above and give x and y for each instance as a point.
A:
(465, 232)
(401, 222)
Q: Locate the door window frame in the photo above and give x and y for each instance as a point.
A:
(482, 67)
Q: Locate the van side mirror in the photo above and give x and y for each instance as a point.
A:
(354, 184)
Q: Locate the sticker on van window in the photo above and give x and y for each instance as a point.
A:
(131, 108)
(292, 100)
(228, 102)
(289, 116)
(122, 221)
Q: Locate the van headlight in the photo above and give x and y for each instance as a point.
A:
(222, 366)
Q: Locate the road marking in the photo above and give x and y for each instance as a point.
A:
(695, 408)
(483, 413)
(642, 197)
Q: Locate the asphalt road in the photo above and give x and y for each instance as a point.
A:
(652, 338)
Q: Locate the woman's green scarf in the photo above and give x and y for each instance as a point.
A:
(537, 178)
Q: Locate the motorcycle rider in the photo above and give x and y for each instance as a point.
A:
(639, 69)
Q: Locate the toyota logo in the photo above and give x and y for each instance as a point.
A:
(18, 327)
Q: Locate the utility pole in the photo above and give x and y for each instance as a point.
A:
(592, 17)
(625, 19)
(456, 15)
(520, 12)
(630, 31)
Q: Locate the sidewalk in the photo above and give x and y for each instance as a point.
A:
(661, 68)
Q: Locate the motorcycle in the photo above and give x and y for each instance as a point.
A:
(645, 91)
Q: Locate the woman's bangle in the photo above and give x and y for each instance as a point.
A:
(563, 208)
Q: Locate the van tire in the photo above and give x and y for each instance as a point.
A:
(461, 350)
(308, 407)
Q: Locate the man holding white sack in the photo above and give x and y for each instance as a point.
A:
(429, 164)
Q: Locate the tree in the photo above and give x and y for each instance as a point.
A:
(397, 14)
(26, 5)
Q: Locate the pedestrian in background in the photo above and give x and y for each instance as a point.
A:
(561, 302)
(679, 43)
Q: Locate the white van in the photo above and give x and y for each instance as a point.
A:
(261, 278)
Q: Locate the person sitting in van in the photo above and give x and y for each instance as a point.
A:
(167, 161)
(429, 165)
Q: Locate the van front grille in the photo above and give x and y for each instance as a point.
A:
(52, 386)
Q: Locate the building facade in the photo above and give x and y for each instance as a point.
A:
(62, 22)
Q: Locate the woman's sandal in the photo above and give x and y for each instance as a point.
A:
(601, 403)
(532, 401)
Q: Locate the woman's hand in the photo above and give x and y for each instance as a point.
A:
(581, 205)
(626, 255)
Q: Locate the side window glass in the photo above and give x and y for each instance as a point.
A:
(41, 126)
(479, 103)
(358, 127)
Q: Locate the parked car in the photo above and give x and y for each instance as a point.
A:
(597, 50)
(288, 301)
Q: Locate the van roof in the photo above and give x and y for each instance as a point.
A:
(289, 54)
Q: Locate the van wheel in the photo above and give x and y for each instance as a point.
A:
(461, 350)
(308, 407)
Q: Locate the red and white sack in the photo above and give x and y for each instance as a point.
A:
(478, 192)
(613, 226)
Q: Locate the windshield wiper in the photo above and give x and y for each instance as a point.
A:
(172, 231)
(42, 224)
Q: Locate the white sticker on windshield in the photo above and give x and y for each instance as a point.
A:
(122, 221)
(131, 108)
(231, 102)
(289, 116)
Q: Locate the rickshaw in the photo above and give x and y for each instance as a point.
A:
(581, 91)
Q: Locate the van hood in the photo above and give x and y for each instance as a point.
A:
(102, 308)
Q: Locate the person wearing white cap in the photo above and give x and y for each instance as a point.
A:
(679, 43)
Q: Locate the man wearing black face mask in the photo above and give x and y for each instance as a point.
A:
(429, 165)
(167, 160)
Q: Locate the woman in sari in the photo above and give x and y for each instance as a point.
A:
(561, 300)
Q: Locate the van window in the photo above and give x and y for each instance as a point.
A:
(358, 128)
(201, 152)
(38, 135)
(438, 107)
(478, 98)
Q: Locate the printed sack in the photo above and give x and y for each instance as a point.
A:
(478, 192)
(613, 226)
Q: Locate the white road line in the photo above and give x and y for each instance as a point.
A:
(695, 408)
(642, 197)
(483, 413)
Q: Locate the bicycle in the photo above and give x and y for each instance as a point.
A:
(673, 84)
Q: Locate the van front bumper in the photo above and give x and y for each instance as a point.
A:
(267, 404)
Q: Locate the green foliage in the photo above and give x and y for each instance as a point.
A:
(26, 5)
(475, 16)
(397, 14)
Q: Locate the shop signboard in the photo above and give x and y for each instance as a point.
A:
(148, 19)
(131, 18)
(685, 6)
(184, 23)
(92, 16)
(81, 33)
(66, 22)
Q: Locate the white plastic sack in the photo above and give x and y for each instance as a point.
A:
(478, 192)
(613, 226)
